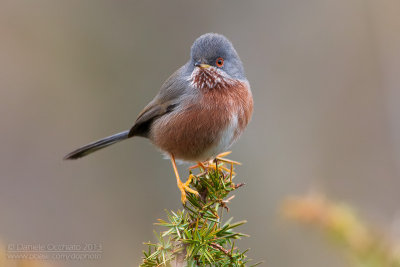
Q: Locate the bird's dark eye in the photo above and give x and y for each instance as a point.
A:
(219, 62)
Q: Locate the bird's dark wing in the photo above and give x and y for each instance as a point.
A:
(165, 101)
(147, 116)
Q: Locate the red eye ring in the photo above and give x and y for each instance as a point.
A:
(219, 62)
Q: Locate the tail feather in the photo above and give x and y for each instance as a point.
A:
(102, 143)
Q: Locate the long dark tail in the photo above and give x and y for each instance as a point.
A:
(102, 143)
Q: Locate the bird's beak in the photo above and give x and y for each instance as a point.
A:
(202, 65)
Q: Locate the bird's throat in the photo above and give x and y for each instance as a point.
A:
(210, 78)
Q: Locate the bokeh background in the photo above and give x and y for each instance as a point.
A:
(325, 78)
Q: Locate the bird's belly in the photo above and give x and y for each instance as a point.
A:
(225, 139)
(194, 135)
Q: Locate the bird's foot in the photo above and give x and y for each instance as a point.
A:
(211, 163)
(221, 157)
(184, 187)
(219, 163)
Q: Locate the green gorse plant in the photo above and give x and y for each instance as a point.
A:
(197, 235)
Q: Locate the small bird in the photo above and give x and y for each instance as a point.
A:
(199, 112)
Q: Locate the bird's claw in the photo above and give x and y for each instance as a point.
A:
(184, 187)
(217, 164)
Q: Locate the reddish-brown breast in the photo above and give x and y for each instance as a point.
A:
(195, 131)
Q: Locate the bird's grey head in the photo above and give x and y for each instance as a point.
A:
(214, 53)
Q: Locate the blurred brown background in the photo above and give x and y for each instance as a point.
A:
(325, 79)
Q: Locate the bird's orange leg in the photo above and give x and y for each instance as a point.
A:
(183, 187)
(212, 164)
(222, 158)
(222, 155)
(198, 165)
